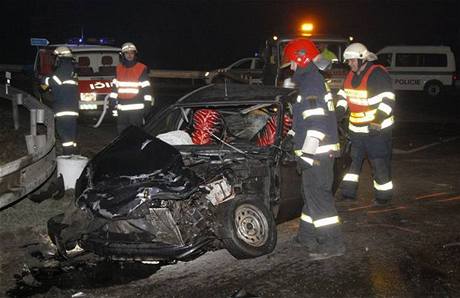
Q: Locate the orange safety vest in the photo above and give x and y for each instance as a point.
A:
(362, 107)
(128, 80)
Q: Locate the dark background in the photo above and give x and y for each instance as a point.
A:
(203, 34)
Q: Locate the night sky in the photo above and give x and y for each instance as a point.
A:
(205, 34)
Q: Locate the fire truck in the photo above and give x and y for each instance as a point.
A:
(95, 65)
(275, 71)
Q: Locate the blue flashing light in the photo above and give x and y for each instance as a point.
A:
(100, 41)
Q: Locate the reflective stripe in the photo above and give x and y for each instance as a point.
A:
(130, 107)
(385, 108)
(47, 81)
(144, 84)
(128, 91)
(383, 187)
(313, 112)
(387, 122)
(113, 95)
(328, 97)
(308, 160)
(342, 103)
(363, 114)
(57, 80)
(342, 93)
(360, 129)
(362, 94)
(66, 113)
(351, 177)
(316, 134)
(69, 144)
(70, 82)
(327, 148)
(379, 97)
(114, 113)
(306, 218)
(148, 98)
(326, 221)
(359, 101)
(299, 98)
(128, 84)
(363, 117)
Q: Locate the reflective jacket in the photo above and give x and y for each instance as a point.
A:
(314, 121)
(131, 87)
(370, 99)
(64, 86)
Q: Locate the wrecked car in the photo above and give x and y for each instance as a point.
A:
(211, 171)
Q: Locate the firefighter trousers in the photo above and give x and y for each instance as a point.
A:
(128, 118)
(66, 127)
(318, 212)
(378, 150)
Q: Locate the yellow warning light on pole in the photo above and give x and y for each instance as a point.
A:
(306, 28)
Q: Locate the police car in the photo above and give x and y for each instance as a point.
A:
(420, 68)
(95, 65)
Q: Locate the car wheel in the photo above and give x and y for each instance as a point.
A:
(433, 88)
(249, 228)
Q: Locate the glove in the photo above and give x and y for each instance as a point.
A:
(304, 160)
(374, 129)
(44, 87)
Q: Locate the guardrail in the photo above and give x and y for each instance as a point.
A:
(23, 176)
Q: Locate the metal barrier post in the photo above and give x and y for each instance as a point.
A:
(33, 122)
(15, 102)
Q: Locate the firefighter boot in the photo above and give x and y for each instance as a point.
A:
(331, 243)
(306, 236)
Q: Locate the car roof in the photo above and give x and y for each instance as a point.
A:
(231, 93)
(87, 47)
(415, 49)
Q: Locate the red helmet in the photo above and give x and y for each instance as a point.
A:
(302, 51)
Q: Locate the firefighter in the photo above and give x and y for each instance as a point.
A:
(316, 147)
(368, 94)
(64, 86)
(131, 89)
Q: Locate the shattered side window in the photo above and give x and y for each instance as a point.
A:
(169, 122)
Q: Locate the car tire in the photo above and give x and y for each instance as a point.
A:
(248, 228)
(433, 88)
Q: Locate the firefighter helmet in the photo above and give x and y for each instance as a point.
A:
(62, 52)
(128, 46)
(302, 51)
(358, 51)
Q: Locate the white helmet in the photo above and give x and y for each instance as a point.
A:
(62, 52)
(358, 51)
(128, 46)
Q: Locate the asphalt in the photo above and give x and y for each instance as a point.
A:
(410, 248)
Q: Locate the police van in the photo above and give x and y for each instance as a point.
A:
(420, 68)
(95, 65)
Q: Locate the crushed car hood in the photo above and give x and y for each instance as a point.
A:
(130, 171)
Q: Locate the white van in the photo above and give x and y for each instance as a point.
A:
(428, 68)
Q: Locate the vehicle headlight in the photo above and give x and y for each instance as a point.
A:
(88, 96)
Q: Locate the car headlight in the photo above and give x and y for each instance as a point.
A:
(88, 96)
